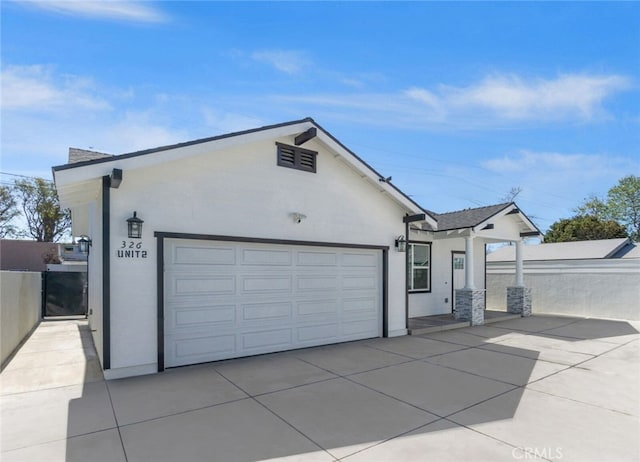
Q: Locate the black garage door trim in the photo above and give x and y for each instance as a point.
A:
(161, 236)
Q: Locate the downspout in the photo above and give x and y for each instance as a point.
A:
(406, 276)
(106, 273)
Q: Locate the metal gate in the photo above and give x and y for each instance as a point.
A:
(64, 293)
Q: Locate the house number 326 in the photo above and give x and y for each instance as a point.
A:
(131, 245)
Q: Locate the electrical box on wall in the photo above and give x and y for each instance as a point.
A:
(446, 300)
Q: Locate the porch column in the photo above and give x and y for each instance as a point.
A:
(519, 296)
(468, 268)
(519, 265)
(469, 301)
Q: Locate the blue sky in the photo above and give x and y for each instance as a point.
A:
(458, 102)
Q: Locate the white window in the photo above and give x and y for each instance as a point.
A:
(419, 273)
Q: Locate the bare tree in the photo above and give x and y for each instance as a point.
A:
(46, 222)
(8, 211)
(511, 195)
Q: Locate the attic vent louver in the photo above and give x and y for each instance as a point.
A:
(296, 157)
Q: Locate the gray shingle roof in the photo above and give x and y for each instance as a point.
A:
(468, 218)
(82, 155)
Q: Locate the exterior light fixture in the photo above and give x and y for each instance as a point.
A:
(83, 244)
(134, 227)
(401, 244)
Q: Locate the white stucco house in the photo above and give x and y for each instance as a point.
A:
(264, 240)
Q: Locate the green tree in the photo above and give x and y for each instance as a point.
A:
(584, 228)
(623, 202)
(595, 207)
(8, 211)
(46, 222)
(622, 205)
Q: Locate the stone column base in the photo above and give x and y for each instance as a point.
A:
(519, 300)
(470, 306)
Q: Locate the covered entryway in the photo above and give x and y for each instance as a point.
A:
(226, 299)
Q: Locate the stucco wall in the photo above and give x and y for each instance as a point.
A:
(239, 192)
(591, 288)
(20, 308)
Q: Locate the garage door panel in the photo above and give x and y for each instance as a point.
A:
(192, 350)
(226, 300)
(350, 260)
(203, 255)
(353, 329)
(266, 284)
(318, 308)
(360, 305)
(267, 311)
(267, 340)
(351, 282)
(190, 285)
(317, 282)
(207, 315)
(266, 257)
(318, 334)
(314, 259)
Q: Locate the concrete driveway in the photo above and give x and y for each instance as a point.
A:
(539, 388)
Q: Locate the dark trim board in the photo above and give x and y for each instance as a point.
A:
(160, 295)
(161, 236)
(385, 292)
(259, 240)
(106, 272)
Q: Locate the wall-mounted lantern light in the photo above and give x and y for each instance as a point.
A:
(83, 244)
(401, 244)
(134, 226)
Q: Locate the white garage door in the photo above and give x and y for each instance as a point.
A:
(229, 299)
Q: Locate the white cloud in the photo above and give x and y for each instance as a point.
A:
(227, 122)
(287, 61)
(106, 9)
(494, 102)
(525, 161)
(139, 130)
(36, 87)
(512, 97)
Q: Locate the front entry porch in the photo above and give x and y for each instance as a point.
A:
(439, 322)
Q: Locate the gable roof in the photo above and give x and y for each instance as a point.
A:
(578, 250)
(468, 218)
(69, 178)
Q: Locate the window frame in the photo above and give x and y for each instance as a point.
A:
(411, 267)
(298, 153)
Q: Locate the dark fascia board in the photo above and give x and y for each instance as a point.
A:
(540, 233)
(510, 204)
(179, 145)
(374, 170)
(231, 135)
(517, 210)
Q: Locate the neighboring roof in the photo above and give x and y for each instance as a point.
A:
(631, 250)
(468, 218)
(115, 160)
(19, 255)
(82, 155)
(578, 250)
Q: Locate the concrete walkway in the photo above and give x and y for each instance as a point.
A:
(539, 388)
